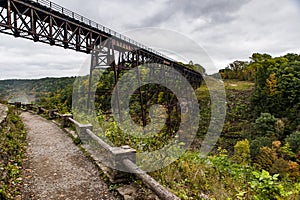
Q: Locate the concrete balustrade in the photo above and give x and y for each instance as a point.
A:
(65, 122)
(118, 170)
(51, 114)
(28, 106)
(41, 110)
(82, 130)
(111, 156)
(158, 189)
(18, 104)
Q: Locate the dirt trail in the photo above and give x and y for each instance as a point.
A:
(56, 168)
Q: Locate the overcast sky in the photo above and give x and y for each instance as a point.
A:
(227, 30)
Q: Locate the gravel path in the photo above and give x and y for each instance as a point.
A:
(56, 168)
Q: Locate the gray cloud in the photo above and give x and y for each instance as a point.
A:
(20, 58)
(227, 29)
(213, 12)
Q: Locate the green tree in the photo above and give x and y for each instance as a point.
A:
(257, 143)
(242, 152)
(277, 88)
(294, 141)
(266, 158)
(265, 125)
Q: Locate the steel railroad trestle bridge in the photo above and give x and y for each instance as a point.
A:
(46, 22)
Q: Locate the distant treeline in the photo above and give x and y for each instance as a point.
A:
(246, 71)
(50, 92)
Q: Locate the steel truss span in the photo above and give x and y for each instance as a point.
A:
(47, 22)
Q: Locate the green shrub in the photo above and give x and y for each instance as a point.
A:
(3, 194)
(266, 186)
(294, 170)
(266, 158)
(294, 141)
(287, 152)
(265, 125)
(279, 127)
(280, 166)
(259, 142)
(242, 152)
(12, 153)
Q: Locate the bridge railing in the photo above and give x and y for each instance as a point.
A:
(73, 15)
(115, 157)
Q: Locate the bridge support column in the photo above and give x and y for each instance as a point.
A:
(9, 14)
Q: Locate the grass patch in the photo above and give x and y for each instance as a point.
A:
(238, 85)
(12, 152)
